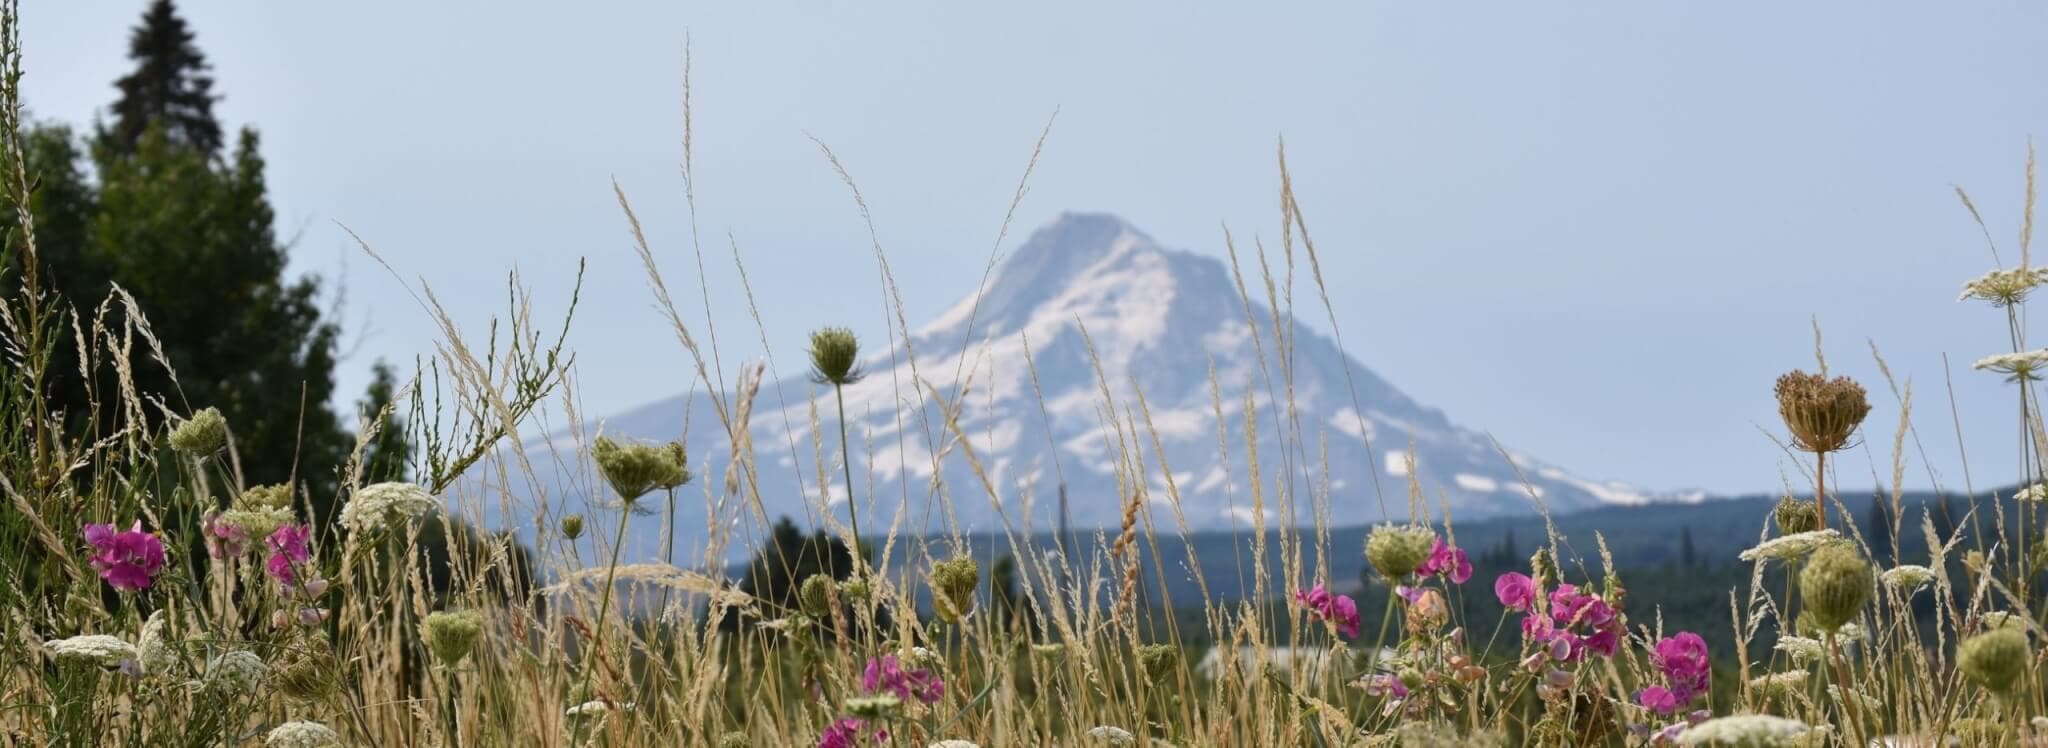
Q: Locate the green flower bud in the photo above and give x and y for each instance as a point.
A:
(815, 597)
(835, 356)
(857, 590)
(451, 636)
(1835, 585)
(1396, 551)
(572, 526)
(1796, 516)
(201, 435)
(1159, 661)
(635, 469)
(953, 584)
(1994, 659)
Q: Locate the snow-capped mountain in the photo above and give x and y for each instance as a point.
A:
(1165, 323)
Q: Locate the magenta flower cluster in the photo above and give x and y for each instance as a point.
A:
(1338, 609)
(1577, 622)
(1682, 659)
(886, 674)
(1448, 561)
(847, 732)
(128, 559)
(223, 539)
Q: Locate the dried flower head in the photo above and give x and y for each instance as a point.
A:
(451, 635)
(382, 506)
(835, 356)
(1796, 516)
(635, 469)
(1821, 413)
(2024, 366)
(302, 735)
(201, 435)
(953, 584)
(1835, 584)
(2003, 288)
(1397, 551)
(1994, 659)
(1159, 662)
(307, 673)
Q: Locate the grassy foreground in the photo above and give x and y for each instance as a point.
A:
(149, 597)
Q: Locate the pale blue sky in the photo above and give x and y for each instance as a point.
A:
(1597, 230)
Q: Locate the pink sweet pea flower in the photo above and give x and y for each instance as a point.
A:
(287, 551)
(1338, 609)
(846, 732)
(1516, 591)
(223, 540)
(1448, 561)
(886, 674)
(128, 560)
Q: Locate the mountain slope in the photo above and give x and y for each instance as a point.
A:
(1086, 303)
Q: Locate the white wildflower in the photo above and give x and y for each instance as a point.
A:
(1745, 730)
(1791, 546)
(1114, 735)
(239, 670)
(155, 655)
(597, 708)
(1999, 619)
(302, 735)
(382, 505)
(98, 649)
(2040, 724)
(2035, 493)
(2022, 366)
(257, 521)
(1849, 632)
(1907, 577)
(955, 744)
(1789, 680)
(1800, 648)
(2004, 287)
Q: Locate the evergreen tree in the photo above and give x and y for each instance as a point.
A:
(389, 452)
(1880, 526)
(170, 88)
(779, 569)
(1688, 556)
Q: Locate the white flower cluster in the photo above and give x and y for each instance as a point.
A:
(2035, 493)
(302, 735)
(1746, 730)
(1790, 680)
(239, 670)
(154, 654)
(1999, 619)
(1114, 735)
(384, 505)
(98, 649)
(2004, 287)
(954, 744)
(2024, 365)
(597, 708)
(1907, 577)
(1800, 648)
(1791, 546)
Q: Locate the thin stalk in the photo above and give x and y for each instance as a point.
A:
(603, 609)
(846, 462)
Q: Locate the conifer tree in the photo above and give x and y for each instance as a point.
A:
(171, 87)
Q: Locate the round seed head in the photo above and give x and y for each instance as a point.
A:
(815, 597)
(451, 636)
(1821, 413)
(1796, 516)
(1395, 552)
(201, 435)
(953, 584)
(1995, 659)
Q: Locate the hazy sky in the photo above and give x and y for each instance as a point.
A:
(1597, 230)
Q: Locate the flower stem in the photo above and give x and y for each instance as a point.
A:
(603, 609)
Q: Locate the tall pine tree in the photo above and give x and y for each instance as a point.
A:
(170, 87)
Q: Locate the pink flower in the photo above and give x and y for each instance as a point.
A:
(1683, 661)
(1384, 684)
(885, 674)
(845, 732)
(128, 560)
(1338, 609)
(223, 540)
(1658, 699)
(1516, 591)
(287, 551)
(1448, 561)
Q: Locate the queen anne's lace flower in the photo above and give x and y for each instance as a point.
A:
(1907, 577)
(302, 735)
(1800, 648)
(155, 654)
(99, 649)
(1788, 680)
(2024, 366)
(239, 670)
(2004, 287)
(1790, 546)
(383, 505)
(954, 744)
(1745, 730)
(1115, 735)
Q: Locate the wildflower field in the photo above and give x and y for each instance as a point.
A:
(150, 595)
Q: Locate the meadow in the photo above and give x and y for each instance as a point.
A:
(149, 595)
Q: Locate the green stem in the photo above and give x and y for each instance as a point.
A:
(1379, 640)
(846, 462)
(603, 609)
